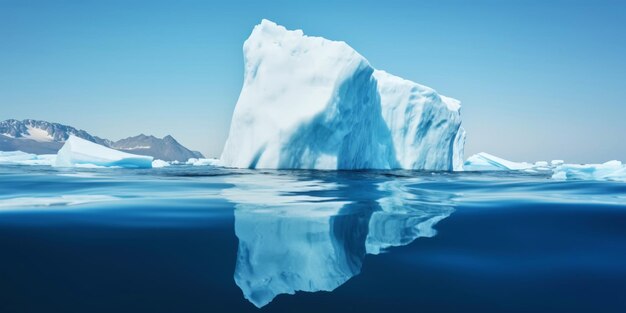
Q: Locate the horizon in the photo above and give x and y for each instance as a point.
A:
(134, 65)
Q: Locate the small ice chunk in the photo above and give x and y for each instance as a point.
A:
(159, 163)
(203, 162)
(556, 162)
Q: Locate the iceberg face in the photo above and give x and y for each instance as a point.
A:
(307, 237)
(78, 152)
(612, 170)
(421, 122)
(311, 103)
(486, 162)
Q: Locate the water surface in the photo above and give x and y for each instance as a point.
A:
(203, 239)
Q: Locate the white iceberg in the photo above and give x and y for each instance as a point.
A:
(203, 162)
(612, 170)
(160, 163)
(78, 152)
(308, 102)
(23, 158)
(486, 162)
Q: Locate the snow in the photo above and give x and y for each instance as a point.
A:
(486, 162)
(159, 163)
(23, 158)
(78, 152)
(611, 170)
(137, 147)
(37, 134)
(311, 103)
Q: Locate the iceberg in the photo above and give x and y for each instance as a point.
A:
(486, 162)
(78, 152)
(611, 170)
(160, 163)
(203, 162)
(312, 103)
(23, 158)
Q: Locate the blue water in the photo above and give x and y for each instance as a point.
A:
(201, 239)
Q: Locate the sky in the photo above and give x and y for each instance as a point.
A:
(538, 80)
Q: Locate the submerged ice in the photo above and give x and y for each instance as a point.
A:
(312, 103)
(78, 152)
(301, 235)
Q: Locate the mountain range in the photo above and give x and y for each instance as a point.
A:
(42, 137)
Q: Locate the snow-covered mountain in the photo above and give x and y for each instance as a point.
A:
(166, 148)
(309, 102)
(42, 137)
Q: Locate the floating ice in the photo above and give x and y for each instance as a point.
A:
(78, 152)
(23, 158)
(308, 102)
(203, 162)
(556, 162)
(612, 170)
(159, 163)
(486, 162)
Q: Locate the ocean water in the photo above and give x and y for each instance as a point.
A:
(203, 239)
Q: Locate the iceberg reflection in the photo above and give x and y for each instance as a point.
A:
(312, 233)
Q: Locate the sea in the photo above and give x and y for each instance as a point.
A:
(208, 239)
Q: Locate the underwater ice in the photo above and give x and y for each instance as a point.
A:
(312, 103)
(289, 241)
(78, 152)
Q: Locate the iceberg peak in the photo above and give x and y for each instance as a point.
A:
(313, 103)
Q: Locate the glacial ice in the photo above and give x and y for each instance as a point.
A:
(78, 152)
(486, 162)
(611, 170)
(23, 158)
(312, 103)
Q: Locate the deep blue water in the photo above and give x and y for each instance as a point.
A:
(199, 239)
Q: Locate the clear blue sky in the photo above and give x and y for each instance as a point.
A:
(538, 80)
